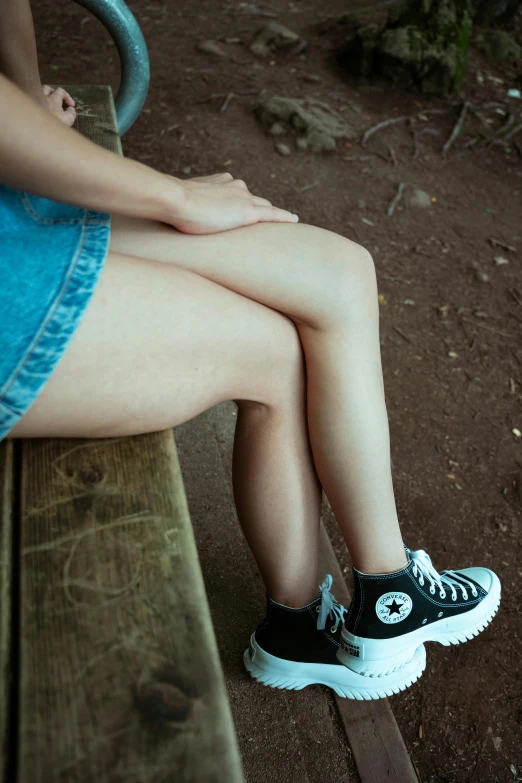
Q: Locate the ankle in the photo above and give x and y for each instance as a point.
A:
(381, 566)
(293, 599)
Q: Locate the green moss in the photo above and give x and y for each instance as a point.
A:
(462, 53)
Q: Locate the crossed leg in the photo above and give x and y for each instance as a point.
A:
(326, 284)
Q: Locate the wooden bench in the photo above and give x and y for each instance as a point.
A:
(109, 666)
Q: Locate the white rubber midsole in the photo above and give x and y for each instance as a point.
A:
(294, 675)
(380, 656)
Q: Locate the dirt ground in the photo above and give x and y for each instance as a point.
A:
(451, 315)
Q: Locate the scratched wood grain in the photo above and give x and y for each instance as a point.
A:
(6, 577)
(120, 672)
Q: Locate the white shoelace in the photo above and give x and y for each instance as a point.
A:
(329, 607)
(449, 579)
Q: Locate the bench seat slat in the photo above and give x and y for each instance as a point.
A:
(120, 677)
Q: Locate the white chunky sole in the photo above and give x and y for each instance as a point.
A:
(381, 657)
(292, 675)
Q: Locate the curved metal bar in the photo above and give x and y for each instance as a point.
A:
(134, 57)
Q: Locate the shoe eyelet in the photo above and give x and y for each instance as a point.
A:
(465, 596)
(432, 590)
(317, 609)
(333, 629)
(424, 621)
(453, 597)
(443, 594)
(421, 581)
(474, 593)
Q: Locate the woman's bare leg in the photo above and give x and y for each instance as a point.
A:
(159, 345)
(326, 285)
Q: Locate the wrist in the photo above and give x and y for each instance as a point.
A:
(167, 197)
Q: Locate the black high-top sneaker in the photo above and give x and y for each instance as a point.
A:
(293, 648)
(392, 614)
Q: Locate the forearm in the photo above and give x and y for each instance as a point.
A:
(18, 56)
(43, 156)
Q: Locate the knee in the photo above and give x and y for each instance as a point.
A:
(352, 285)
(281, 380)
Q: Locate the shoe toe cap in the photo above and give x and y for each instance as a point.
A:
(482, 576)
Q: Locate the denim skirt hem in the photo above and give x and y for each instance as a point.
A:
(51, 259)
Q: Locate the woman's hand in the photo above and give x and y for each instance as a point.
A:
(219, 202)
(53, 100)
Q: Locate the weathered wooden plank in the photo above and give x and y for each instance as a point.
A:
(96, 117)
(6, 608)
(371, 728)
(120, 673)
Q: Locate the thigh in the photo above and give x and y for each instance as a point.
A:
(297, 269)
(158, 345)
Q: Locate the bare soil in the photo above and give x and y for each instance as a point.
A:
(451, 316)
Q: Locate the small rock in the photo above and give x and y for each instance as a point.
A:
(277, 129)
(319, 123)
(514, 93)
(313, 78)
(452, 355)
(187, 170)
(272, 37)
(367, 221)
(419, 198)
(301, 143)
(499, 47)
(409, 302)
(482, 277)
(282, 149)
(382, 299)
(500, 260)
(212, 47)
(232, 40)
(516, 432)
(361, 203)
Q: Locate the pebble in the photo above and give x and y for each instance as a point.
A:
(212, 47)
(419, 198)
(283, 149)
(312, 78)
(482, 277)
(500, 260)
(277, 129)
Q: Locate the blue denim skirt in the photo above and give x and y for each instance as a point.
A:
(51, 258)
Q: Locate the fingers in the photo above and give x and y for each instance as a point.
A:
(59, 94)
(67, 98)
(261, 202)
(69, 116)
(274, 215)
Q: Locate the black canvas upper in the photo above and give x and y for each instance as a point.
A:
(292, 634)
(407, 596)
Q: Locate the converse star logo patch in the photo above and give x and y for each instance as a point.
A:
(393, 607)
